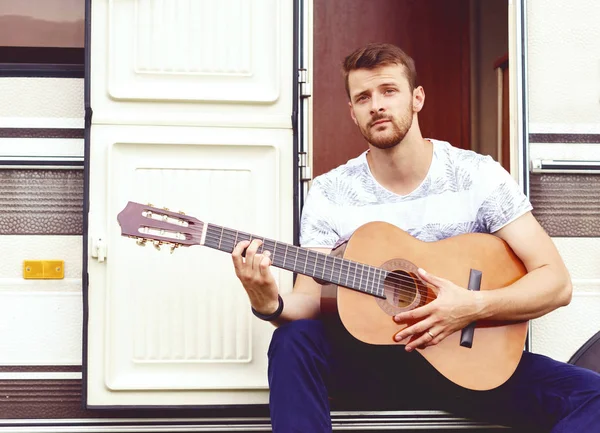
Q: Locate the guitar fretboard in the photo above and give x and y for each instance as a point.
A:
(339, 271)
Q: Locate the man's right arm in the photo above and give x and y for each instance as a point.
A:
(254, 272)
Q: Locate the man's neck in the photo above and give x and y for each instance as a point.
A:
(402, 168)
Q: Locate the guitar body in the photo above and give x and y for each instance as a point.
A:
(497, 346)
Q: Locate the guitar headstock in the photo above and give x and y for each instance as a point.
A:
(160, 226)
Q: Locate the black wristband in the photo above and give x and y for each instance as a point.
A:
(273, 316)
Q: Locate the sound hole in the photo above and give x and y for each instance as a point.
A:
(400, 289)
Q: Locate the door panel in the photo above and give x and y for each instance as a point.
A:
(225, 63)
(192, 112)
(434, 32)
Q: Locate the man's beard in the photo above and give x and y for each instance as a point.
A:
(389, 139)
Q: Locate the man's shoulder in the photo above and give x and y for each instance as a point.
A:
(351, 169)
(461, 158)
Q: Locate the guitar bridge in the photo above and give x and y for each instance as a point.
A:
(466, 335)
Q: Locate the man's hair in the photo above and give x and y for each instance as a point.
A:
(376, 55)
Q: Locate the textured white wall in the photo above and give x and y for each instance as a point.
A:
(560, 333)
(40, 320)
(25, 101)
(563, 89)
(563, 64)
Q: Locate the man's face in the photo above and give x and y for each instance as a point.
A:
(382, 104)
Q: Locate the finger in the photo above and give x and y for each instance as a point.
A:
(416, 329)
(414, 315)
(251, 251)
(236, 254)
(418, 343)
(426, 339)
(438, 337)
(430, 278)
(265, 263)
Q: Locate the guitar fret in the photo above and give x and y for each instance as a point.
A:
(381, 287)
(285, 255)
(295, 260)
(345, 269)
(362, 276)
(374, 280)
(269, 246)
(305, 262)
(276, 254)
(376, 283)
(221, 237)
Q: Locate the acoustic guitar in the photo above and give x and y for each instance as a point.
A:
(373, 276)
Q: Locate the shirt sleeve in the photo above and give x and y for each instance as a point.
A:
(502, 201)
(316, 226)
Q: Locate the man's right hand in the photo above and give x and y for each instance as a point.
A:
(253, 271)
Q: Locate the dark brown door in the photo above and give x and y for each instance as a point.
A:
(434, 32)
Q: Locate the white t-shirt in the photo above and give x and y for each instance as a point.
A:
(463, 192)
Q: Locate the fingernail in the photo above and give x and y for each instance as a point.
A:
(408, 349)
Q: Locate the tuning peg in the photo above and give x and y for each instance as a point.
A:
(181, 212)
(141, 242)
(174, 247)
(150, 204)
(165, 208)
(157, 245)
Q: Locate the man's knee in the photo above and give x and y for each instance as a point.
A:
(298, 337)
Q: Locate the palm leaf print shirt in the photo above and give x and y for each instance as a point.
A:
(463, 192)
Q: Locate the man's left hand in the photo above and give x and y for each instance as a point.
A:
(452, 310)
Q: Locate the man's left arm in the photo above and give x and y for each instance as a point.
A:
(545, 287)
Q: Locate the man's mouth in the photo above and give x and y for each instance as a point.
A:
(379, 122)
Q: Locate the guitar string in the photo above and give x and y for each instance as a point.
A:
(234, 237)
(395, 278)
(403, 282)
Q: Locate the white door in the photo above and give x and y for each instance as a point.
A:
(192, 108)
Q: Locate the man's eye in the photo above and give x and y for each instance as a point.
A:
(390, 91)
(361, 98)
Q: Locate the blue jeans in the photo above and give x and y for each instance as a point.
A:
(309, 373)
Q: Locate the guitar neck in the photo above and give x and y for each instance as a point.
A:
(342, 272)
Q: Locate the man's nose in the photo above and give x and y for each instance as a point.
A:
(376, 105)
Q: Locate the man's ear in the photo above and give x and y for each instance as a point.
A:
(418, 99)
(352, 113)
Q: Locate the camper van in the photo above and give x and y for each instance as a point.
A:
(222, 112)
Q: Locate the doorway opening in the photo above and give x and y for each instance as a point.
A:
(460, 48)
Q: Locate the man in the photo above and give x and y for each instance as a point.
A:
(433, 191)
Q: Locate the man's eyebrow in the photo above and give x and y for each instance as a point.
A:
(388, 84)
(356, 95)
